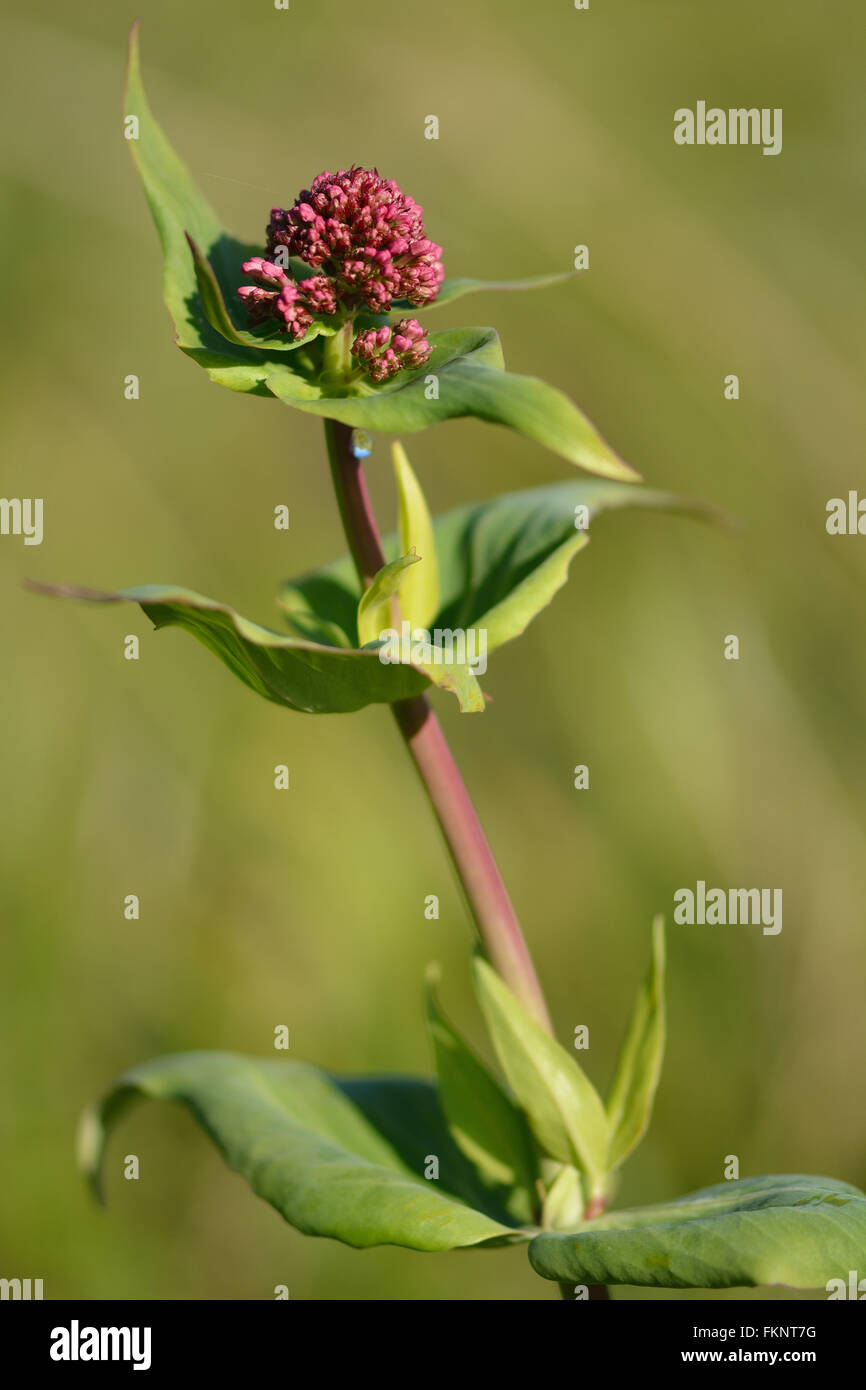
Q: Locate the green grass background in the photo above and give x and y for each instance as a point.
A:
(155, 777)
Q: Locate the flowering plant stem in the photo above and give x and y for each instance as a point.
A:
(496, 922)
(337, 354)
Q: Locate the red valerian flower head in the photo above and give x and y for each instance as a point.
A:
(383, 352)
(365, 235)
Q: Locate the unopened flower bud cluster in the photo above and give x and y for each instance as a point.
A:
(365, 240)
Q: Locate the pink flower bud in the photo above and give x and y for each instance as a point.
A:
(265, 272)
(384, 352)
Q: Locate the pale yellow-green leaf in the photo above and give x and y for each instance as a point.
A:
(374, 609)
(419, 595)
(639, 1066)
(562, 1105)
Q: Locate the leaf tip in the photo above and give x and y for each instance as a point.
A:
(658, 937)
(622, 471)
(89, 1148)
(433, 976)
(482, 970)
(399, 457)
(132, 52)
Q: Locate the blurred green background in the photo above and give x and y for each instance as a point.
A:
(155, 777)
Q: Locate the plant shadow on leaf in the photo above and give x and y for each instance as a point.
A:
(408, 1114)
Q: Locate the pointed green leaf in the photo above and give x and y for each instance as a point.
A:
(467, 366)
(499, 562)
(419, 596)
(794, 1230)
(454, 287)
(300, 674)
(560, 1102)
(374, 606)
(639, 1066)
(484, 1122)
(184, 217)
(179, 208)
(336, 1158)
(512, 615)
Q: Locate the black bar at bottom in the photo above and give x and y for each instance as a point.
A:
(82, 1338)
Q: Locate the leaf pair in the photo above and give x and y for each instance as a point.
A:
(395, 1160)
(489, 568)
(353, 1160)
(464, 376)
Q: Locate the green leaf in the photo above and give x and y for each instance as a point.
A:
(202, 266)
(639, 1066)
(499, 562)
(484, 1122)
(437, 661)
(178, 209)
(454, 287)
(374, 606)
(467, 365)
(456, 677)
(512, 616)
(561, 1104)
(564, 1203)
(794, 1230)
(337, 1158)
(419, 596)
(299, 674)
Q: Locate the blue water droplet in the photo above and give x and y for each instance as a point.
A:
(361, 444)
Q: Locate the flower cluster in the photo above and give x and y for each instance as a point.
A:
(383, 352)
(276, 296)
(365, 239)
(366, 235)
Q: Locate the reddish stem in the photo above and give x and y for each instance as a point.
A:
(495, 918)
(498, 928)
